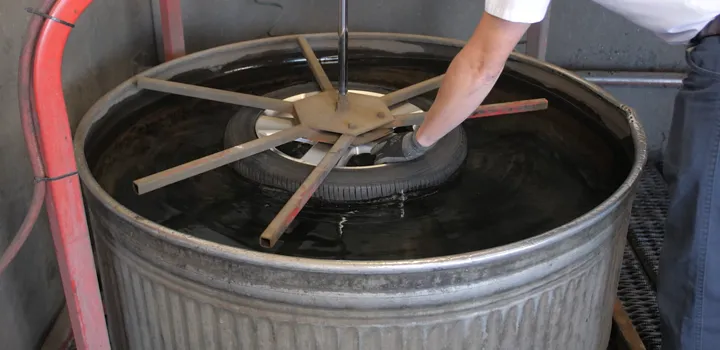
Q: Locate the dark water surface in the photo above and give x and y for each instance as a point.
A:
(524, 174)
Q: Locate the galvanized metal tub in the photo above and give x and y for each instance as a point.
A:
(167, 290)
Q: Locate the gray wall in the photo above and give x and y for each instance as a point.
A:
(109, 43)
(115, 40)
(583, 36)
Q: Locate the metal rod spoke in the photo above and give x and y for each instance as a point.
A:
(411, 91)
(490, 110)
(315, 66)
(293, 207)
(523, 106)
(216, 160)
(215, 94)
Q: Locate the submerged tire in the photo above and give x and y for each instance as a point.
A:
(346, 184)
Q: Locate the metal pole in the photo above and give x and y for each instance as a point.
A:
(342, 50)
(634, 79)
(537, 38)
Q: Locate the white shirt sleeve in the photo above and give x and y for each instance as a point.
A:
(522, 11)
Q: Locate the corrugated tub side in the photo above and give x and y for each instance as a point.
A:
(173, 297)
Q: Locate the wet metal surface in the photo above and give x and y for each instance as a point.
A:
(524, 174)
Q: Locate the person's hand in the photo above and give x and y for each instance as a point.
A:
(398, 148)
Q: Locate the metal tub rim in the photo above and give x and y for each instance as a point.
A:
(230, 52)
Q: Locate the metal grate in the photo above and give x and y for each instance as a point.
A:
(638, 299)
(647, 223)
(636, 288)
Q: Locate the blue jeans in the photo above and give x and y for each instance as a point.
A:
(689, 271)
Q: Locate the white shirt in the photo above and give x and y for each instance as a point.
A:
(675, 21)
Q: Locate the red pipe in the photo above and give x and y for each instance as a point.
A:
(64, 201)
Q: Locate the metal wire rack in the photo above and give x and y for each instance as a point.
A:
(636, 287)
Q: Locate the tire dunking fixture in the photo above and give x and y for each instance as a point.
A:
(334, 116)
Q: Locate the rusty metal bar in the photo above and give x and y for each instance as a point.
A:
(215, 94)
(216, 160)
(523, 106)
(411, 91)
(292, 208)
(315, 66)
(173, 37)
(490, 110)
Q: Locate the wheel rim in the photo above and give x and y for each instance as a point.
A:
(310, 152)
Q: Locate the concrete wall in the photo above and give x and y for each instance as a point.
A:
(108, 45)
(115, 40)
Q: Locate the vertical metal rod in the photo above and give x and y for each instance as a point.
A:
(537, 38)
(173, 36)
(343, 48)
